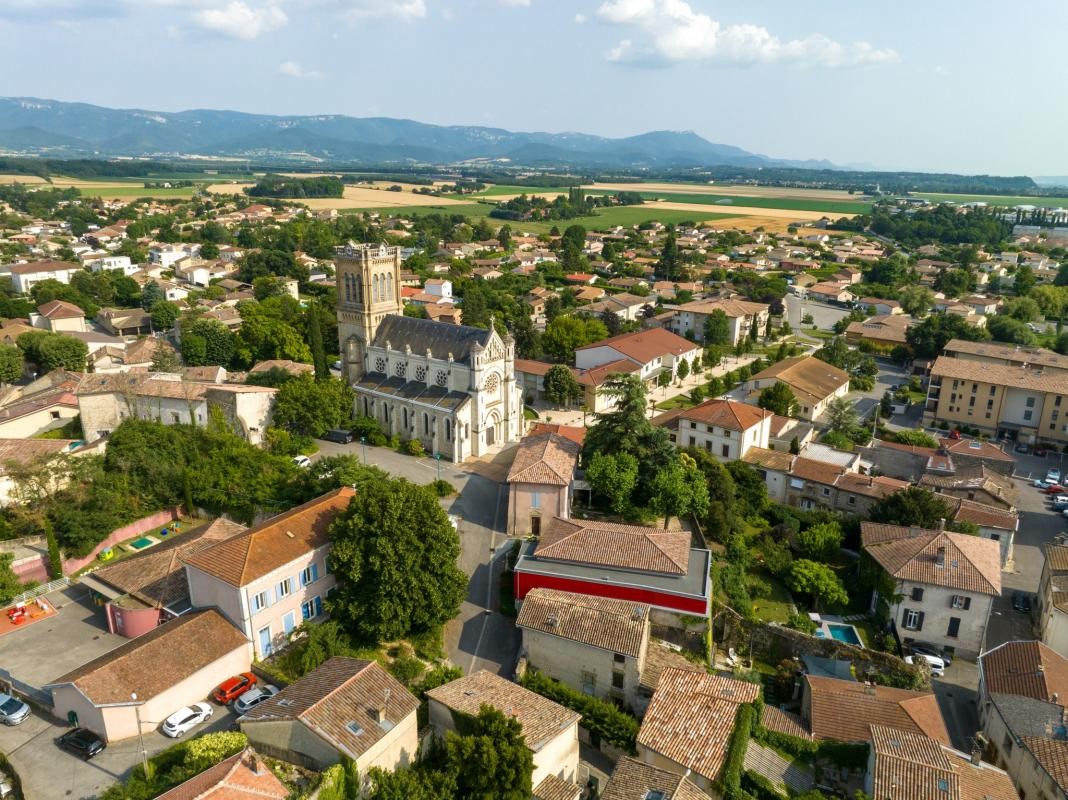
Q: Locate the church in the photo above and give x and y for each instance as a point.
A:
(452, 387)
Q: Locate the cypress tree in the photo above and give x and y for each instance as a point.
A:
(55, 558)
(315, 342)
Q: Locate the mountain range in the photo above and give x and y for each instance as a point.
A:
(32, 126)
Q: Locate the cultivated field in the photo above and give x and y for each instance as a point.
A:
(736, 190)
(21, 179)
(356, 197)
(996, 200)
(746, 211)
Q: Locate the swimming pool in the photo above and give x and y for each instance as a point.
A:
(844, 633)
(142, 543)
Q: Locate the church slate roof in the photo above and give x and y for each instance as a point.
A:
(440, 338)
(412, 390)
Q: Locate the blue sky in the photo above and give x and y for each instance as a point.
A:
(950, 85)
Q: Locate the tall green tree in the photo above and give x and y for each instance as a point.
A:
(911, 506)
(561, 386)
(311, 407)
(820, 542)
(669, 265)
(491, 762)
(315, 342)
(613, 477)
(12, 363)
(679, 490)
(779, 399)
(818, 581)
(164, 314)
(565, 334)
(394, 553)
(717, 330)
(151, 294)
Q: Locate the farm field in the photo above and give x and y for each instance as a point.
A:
(995, 200)
(746, 211)
(132, 191)
(504, 191)
(473, 210)
(737, 190)
(356, 197)
(779, 203)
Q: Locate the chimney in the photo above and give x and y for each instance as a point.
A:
(977, 755)
(942, 524)
(940, 558)
(869, 688)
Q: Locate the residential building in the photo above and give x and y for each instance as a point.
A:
(814, 383)
(143, 591)
(652, 566)
(1006, 354)
(451, 387)
(655, 351)
(1022, 712)
(908, 765)
(274, 576)
(882, 307)
(33, 413)
(687, 728)
(539, 481)
(843, 710)
(549, 730)
(105, 400)
(883, 332)
(25, 276)
(1052, 611)
(996, 524)
(626, 306)
(19, 454)
(58, 316)
(125, 321)
(724, 428)
(346, 707)
(831, 292)
(973, 483)
(242, 776)
(592, 644)
(530, 376)
(633, 780)
(945, 583)
(689, 318)
(147, 678)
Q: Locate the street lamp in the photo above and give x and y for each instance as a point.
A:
(437, 458)
(363, 444)
(140, 736)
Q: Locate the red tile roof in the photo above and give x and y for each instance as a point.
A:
(969, 563)
(845, 710)
(609, 544)
(727, 414)
(644, 346)
(1027, 668)
(242, 776)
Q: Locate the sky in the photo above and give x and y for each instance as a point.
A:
(970, 86)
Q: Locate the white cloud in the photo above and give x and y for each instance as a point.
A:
(240, 20)
(580, 19)
(404, 10)
(515, 3)
(292, 69)
(670, 31)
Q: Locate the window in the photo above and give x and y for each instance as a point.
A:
(55, 414)
(312, 609)
(725, 451)
(619, 659)
(289, 622)
(354, 728)
(175, 417)
(992, 390)
(309, 575)
(535, 499)
(851, 500)
(1028, 414)
(917, 593)
(1030, 402)
(960, 601)
(693, 441)
(954, 627)
(259, 602)
(971, 402)
(589, 682)
(282, 589)
(617, 680)
(826, 491)
(913, 620)
(989, 405)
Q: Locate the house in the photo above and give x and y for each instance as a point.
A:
(272, 577)
(1022, 686)
(996, 524)
(1006, 354)
(1052, 611)
(242, 776)
(882, 307)
(829, 292)
(689, 318)
(633, 780)
(843, 710)
(147, 678)
(623, 562)
(530, 377)
(549, 730)
(125, 321)
(347, 707)
(588, 294)
(883, 332)
(592, 644)
(724, 428)
(140, 354)
(655, 351)
(902, 764)
(30, 414)
(687, 727)
(143, 591)
(58, 316)
(625, 306)
(977, 483)
(539, 481)
(25, 276)
(109, 263)
(814, 383)
(945, 583)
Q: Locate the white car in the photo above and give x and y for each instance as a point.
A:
(185, 719)
(1053, 476)
(12, 710)
(302, 461)
(1060, 501)
(253, 697)
(937, 665)
(1043, 484)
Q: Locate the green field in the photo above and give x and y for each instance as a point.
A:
(995, 200)
(498, 190)
(475, 210)
(133, 192)
(785, 203)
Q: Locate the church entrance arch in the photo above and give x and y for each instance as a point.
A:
(493, 424)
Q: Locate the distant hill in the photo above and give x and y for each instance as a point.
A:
(31, 126)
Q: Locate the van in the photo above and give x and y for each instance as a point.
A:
(338, 436)
(937, 665)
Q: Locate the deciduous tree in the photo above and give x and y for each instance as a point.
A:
(779, 399)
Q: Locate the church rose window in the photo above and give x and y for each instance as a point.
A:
(492, 382)
(420, 374)
(380, 365)
(441, 379)
(400, 370)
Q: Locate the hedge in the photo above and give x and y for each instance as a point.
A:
(760, 787)
(844, 754)
(599, 717)
(734, 763)
(176, 765)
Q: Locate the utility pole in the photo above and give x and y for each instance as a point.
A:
(140, 735)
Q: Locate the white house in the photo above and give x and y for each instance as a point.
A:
(25, 276)
(108, 263)
(725, 428)
(655, 350)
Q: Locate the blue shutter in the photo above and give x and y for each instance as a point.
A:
(318, 606)
(314, 572)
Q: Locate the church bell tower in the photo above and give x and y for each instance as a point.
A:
(368, 288)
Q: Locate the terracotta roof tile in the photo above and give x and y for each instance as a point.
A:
(633, 780)
(646, 345)
(777, 460)
(156, 661)
(1029, 668)
(273, 543)
(732, 308)
(775, 719)
(816, 471)
(1057, 557)
(980, 513)
(545, 458)
(554, 788)
(691, 716)
(616, 625)
(1052, 755)
(969, 563)
(610, 544)
(242, 776)
(572, 432)
(43, 266)
(542, 719)
(727, 414)
(807, 376)
(983, 781)
(60, 309)
(845, 710)
(909, 766)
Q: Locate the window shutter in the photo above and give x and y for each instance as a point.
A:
(967, 603)
(917, 593)
(292, 585)
(919, 622)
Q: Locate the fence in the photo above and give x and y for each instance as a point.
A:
(45, 588)
(31, 694)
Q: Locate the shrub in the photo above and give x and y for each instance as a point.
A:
(801, 622)
(602, 719)
(734, 763)
(442, 488)
(413, 447)
(406, 669)
(176, 765)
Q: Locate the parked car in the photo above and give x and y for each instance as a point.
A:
(1060, 502)
(924, 649)
(185, 719)
(302, 461)
(937, 665)
(1040, 451)
(1021, 601)
(336, 365)
(1055, 488)
(253, 697)
(12, 710)
(234, 687)
(1022, 448)
(338, 436)
(1053, 475)
(82, 742)
(1041, 483)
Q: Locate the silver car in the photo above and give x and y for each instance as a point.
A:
(12, 710)
(253, 697)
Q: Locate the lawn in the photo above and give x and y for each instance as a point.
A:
(785, 203)
(995, 200)
(679, 401)
(776, 607)
(625, 216)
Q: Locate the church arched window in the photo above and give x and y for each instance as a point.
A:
(389, 283)
(374, 289)
(348, 288)
(448, 429)
(426, 423)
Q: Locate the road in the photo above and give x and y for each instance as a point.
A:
(480, 637)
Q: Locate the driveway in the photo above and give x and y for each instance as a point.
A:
(823, 316)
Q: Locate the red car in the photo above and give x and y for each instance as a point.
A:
(234, 687)
(1055, 489)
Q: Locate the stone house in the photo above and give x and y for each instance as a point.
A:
(539, 481)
